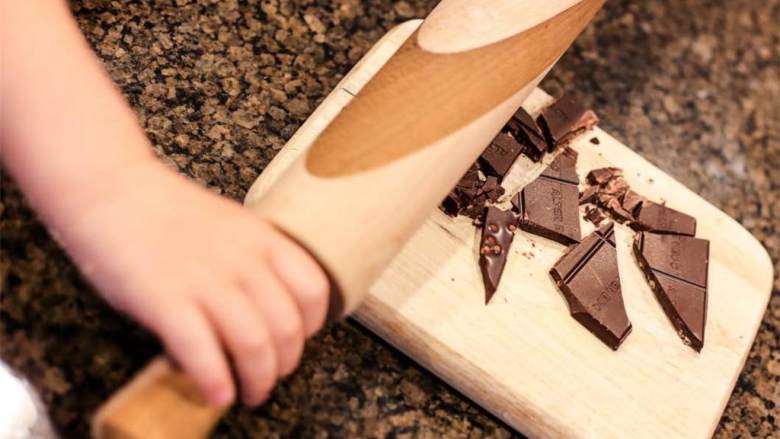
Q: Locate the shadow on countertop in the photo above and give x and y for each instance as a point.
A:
(692, 85)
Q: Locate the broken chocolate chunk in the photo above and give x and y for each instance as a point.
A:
(451, 204)
(616, 209)
(631, 200)
(527, 132)
(616, 187)
(589, 194)
(564, 167)
(658, 218)
(594, 215)
(565, 119)
(587, 275)
(548, 206)
(492, 189)
(676, 267)
(500, 154)
(524, 120)
(497, 234)
(603, 175)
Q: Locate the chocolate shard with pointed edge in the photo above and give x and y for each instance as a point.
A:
(525, 120)
(497, 234)
(549, 205)
(525, 129)
(676, 268)
(658, 218)
(588, 277)
(500, 154)
(565, 119)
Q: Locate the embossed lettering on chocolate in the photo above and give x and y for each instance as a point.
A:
(549, 205)
(587, 275)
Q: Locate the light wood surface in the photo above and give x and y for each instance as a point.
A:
(523, 357)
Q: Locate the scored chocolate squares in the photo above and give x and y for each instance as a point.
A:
(498, 232)
(548, 206)
(676, 268)
(587, 275)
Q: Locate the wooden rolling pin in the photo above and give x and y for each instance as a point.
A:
(376, 173)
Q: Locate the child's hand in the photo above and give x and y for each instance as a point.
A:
(215, 282)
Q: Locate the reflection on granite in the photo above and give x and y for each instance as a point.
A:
(219, 86)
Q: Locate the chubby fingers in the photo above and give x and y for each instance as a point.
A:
(303, 277)
(281, 314)
(189, 338)
(245, 334)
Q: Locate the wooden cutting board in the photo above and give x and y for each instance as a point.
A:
(523, 357)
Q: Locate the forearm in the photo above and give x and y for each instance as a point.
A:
(66, 130)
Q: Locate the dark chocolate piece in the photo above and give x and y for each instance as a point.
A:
(525, 120)
(676, 267)
(589, 194)
(661, 219)
(565, 119)
(587, 275)
(564, 167)
(616, 209)
(497, 234)
(548, 206)
(451, 204)
(631, 201)
(594, 215)
(616, 187)
(525, 129)
(492, 189)
(500, 154)
(602, 175)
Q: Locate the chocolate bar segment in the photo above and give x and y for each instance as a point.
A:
(564, 120)
(525, 129)
(500, 154)
(676, 268)
(548, 206)
(587, 275)
(497, 234)
(658, 218)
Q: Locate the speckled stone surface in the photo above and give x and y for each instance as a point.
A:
(220, 85)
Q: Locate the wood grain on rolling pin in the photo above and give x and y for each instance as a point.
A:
(419, 104)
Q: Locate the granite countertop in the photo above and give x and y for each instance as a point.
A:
(221, 85)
